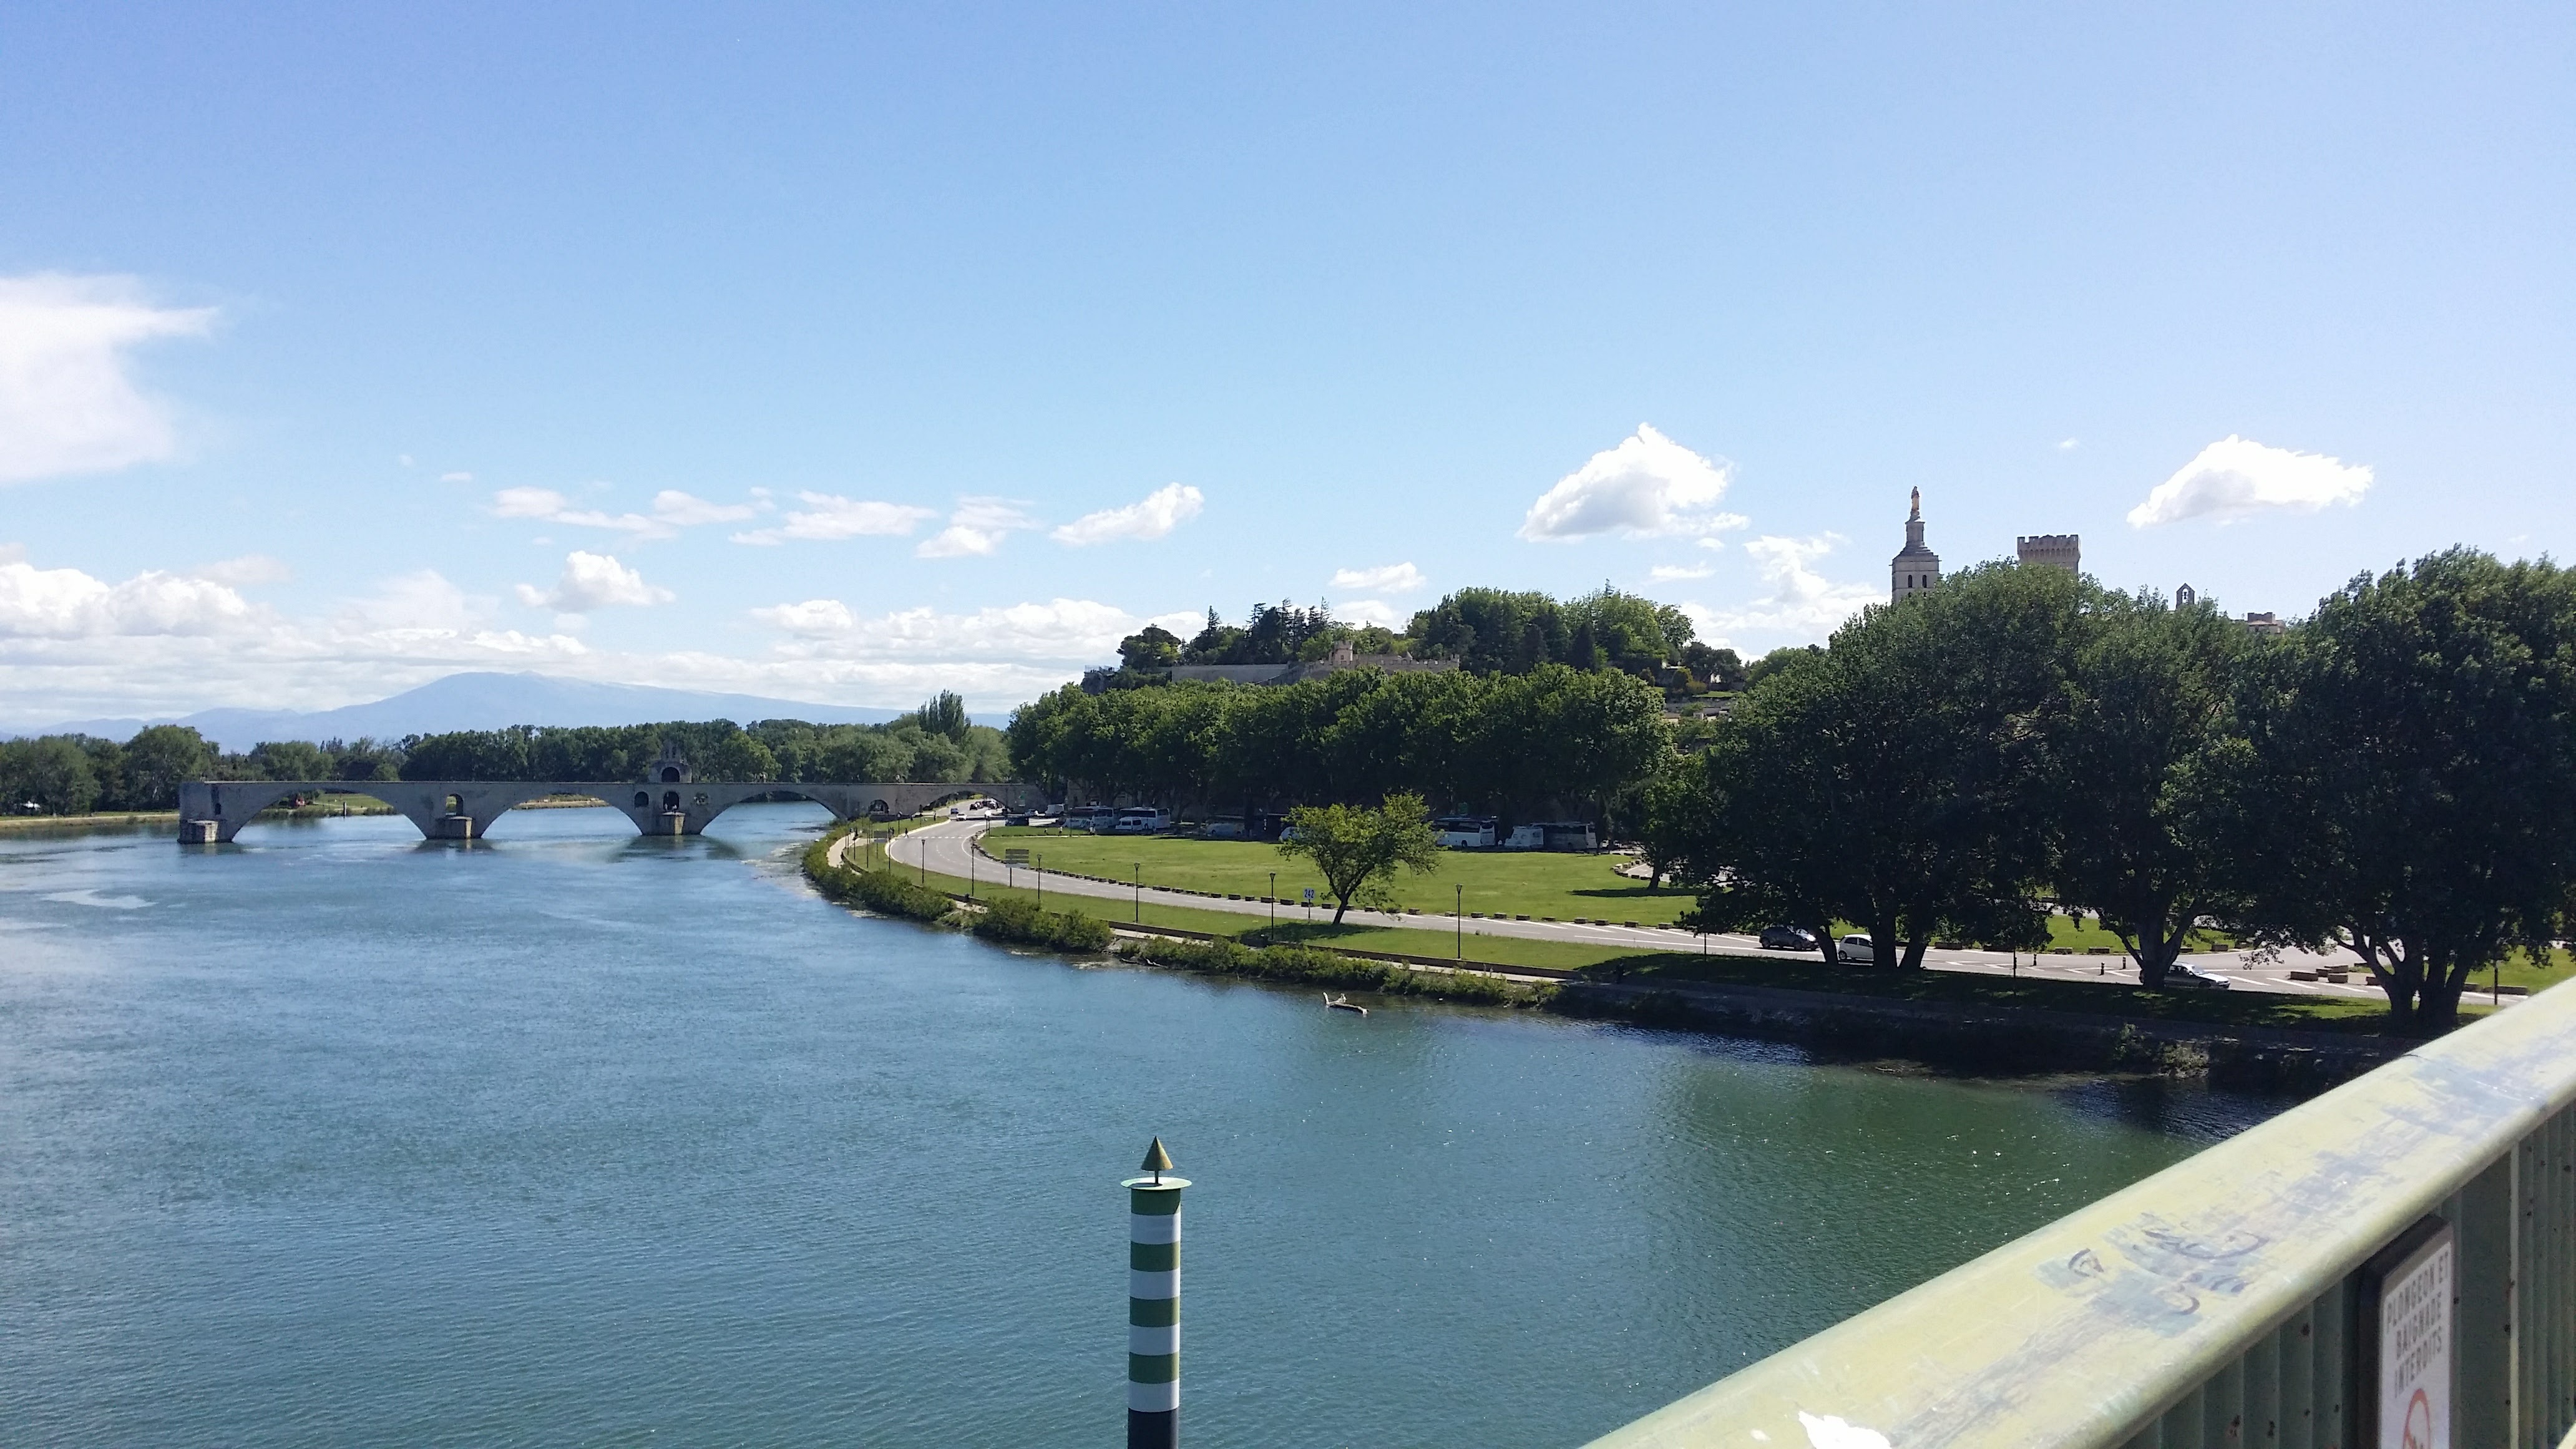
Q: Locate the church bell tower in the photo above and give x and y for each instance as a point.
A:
(1916, 568)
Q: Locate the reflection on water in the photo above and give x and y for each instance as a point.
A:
(570, 1136)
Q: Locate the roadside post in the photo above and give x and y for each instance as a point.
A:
(1154, 1303)
(1140, 893)
(1458, 919)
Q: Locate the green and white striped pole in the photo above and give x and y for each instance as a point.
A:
(1154, 1303)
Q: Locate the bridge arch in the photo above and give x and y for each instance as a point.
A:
(211, 811)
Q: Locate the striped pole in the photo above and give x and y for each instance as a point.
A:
(1154, 1303)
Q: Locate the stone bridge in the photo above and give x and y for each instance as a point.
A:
(212, 811)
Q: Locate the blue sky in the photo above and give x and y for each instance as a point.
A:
(844, 354)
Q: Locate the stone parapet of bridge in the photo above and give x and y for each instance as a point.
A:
(214, 811)
(2393, 1263)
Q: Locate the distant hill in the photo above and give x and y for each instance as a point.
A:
(478, 701)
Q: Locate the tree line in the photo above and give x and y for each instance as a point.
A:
(2395, 776)
(1551, 741)
(78, 774)
(935, 743)
(1488, 631)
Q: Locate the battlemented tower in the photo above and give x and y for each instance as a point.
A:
(2060, 550)
(1916, 567)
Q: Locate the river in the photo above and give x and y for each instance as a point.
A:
(337, 1138)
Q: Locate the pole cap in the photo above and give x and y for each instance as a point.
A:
(1157, 1162)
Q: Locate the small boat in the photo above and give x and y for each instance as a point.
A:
(1342, 1003)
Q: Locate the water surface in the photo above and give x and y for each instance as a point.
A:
(336, 1138)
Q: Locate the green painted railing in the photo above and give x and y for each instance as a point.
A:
(2272, 1290)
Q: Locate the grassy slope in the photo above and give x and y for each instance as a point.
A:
(2111, 997)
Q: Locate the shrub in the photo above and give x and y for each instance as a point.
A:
(1327, 968)
(883, 891)
(1021, 922)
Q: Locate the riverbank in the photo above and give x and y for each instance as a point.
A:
(1946, 1021)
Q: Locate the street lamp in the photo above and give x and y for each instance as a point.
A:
(1274, 900)
(1458, 918)
(1140, 893)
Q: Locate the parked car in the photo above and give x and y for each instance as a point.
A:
(1857, 950)
(2181, 977)
(1787, 938)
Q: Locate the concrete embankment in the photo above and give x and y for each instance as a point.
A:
(1993, 1040)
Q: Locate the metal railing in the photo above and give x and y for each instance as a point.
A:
(2251, 1295)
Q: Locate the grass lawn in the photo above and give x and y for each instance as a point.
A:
(1438, 943)
(1521, 882)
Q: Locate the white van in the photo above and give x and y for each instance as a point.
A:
(1138, 820)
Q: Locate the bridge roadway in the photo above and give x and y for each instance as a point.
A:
(947, 849)
(214, 811)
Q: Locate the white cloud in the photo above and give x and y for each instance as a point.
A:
(455, 477)
(1070, 631)
(72, 645)
(242, 572)
(1666, 573)
(1803, 605)
(2237, 478)
(67, 404)
(1153, 516)
(1401, 578)
(594, 581)
(680, 510)
(828, 516)
(69, 604)
(816, 618)
(1647, 485)
(1364, 611)
(673, 510)
(2068, 445)
(977, 527)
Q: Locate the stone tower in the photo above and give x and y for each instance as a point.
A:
(2061, 550)
(1917, 567)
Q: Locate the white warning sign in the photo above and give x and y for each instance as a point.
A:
(2415, 1332)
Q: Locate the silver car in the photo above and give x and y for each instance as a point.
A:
(2182, 977)
(1857, 951)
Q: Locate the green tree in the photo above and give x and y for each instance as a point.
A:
(1357, 848)
(290, 760)
(945, 715)
(2410, 775)
(1671, 814)
(158, 759)
(1152, 647)
(2136, 796)
(1891, 780)
(865, 756)
(51, 773)
(737, 756)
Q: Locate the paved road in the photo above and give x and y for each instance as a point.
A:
(950, 850)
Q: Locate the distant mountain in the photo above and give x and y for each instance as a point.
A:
(480, 701)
